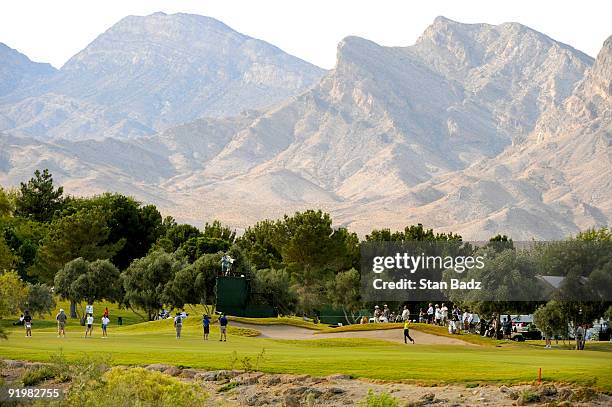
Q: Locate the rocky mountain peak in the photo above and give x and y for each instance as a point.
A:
(18, 70)
(601, 73)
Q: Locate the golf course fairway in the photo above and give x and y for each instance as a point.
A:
(154, 342)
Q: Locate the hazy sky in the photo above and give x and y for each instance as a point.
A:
(54, 30)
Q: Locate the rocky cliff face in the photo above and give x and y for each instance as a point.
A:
(477, 129)
(18, 71)
(148, 73)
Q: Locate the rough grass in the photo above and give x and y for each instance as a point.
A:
(292, 321)
(154, 342)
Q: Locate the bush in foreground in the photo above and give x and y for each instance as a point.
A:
(135, 386)
(378, 400)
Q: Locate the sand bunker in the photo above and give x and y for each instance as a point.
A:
(392, 335)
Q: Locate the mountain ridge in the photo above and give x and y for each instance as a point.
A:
(476, 129)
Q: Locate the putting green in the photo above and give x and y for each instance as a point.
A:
(154, 342)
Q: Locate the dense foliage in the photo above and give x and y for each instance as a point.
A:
(112, 247)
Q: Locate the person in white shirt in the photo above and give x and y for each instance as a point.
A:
(430, 314)
(444, 314)
(90, 321)
(105, 322)
(437, 314)
(405, 314)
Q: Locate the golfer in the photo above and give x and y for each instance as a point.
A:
(206, 326)
(61, 318)
(105, 322)
(407, 333)
(223, 328)
(178, 324)
(90, 321)
(27, 322)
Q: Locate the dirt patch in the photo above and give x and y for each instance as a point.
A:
(240, 388)
(392, 335)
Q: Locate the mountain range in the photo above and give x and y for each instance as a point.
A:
(478, 129)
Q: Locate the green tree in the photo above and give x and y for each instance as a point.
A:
(40, 299)
(410, 233)
(586, 265)
(218, 231)
(145, 279)
(195, 283)
(343, 292)
(38, 198)
(258, 244)
(179, 234)
(7, 202)
(83, 234)
(550, 319)
(196, 247)
(7, 259)
(274, 288)
(313, 253)
(507, 283)
(81, 280)
(138, 226)
(23, 236)
(13, 293)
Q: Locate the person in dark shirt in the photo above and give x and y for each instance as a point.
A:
(27, 322)
(206, 326)
(223, 328)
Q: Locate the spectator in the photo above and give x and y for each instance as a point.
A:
(422, 316)
(471, 321)
(206, 326)
(507, 327)
(387, 312)
(377, 313)
(580, 338)
(27, 322)
(20, 321)
(437, 315)
(444, 314)
(455, 317)
(430, 314)
(105, 322)
(466, 321)
(405, 314)
(90, 321)
(452, 327)
(178, 324)
(223, 328)
(61, 318)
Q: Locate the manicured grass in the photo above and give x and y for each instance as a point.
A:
(154, 342)
(128, 315)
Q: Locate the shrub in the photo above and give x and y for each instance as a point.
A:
(227, 387)
(36, 376)
(136, 386)
(378, 400)
(528, 396)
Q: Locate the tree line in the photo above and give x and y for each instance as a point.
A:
(112, 247)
